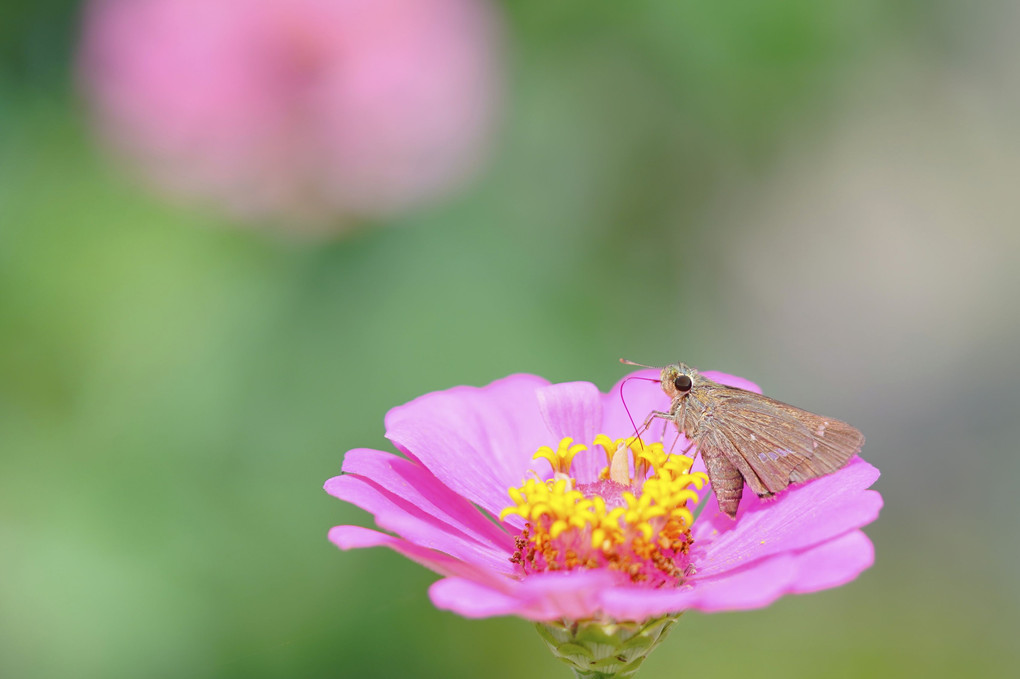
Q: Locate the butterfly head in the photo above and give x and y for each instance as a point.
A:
(678, 379)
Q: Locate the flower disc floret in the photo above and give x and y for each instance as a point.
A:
(638, 525)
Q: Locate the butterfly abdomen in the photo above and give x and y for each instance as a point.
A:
(727, 483)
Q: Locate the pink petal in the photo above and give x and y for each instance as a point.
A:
(830, 564)
(750, 588)
(573, 409)
(477, 441)
(418, 486)
(396, 514)
(356, 537)
(544, 596)
(834, 563)
(800, 517)
(572, 595)
(471, 599)
(585, 594)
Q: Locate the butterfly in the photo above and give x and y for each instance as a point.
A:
(744, 437)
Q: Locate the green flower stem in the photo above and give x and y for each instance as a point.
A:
(605, 650)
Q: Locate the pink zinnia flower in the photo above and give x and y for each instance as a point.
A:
(357, 109)
(606, 531)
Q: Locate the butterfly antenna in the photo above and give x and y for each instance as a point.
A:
(640, 365)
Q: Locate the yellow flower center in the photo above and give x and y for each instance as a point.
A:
(640, 524)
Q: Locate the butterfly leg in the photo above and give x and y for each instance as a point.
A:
(687, 448)
(675, 439)
(639, 431)
(657, 414)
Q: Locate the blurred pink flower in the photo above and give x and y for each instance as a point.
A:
(466, 447)
(350, 108)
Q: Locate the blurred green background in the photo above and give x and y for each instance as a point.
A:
(818, 196)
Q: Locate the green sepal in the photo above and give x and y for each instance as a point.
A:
(599, 650)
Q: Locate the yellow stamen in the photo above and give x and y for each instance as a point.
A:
(644, 530)
(561, 458)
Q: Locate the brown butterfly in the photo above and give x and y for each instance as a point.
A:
(745, 437)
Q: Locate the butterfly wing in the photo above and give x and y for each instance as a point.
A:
(774, 444)
(833, 442)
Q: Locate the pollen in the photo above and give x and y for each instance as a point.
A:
(634, 518)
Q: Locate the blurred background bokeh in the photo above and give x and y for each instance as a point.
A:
(230, 242)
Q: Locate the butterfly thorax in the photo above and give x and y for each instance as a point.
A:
(693, 405)
(695, 410)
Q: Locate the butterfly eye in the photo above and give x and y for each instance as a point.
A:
(683, 383)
